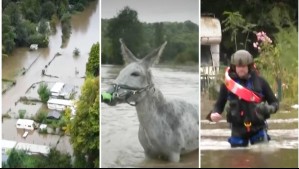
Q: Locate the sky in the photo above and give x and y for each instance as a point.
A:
(155, 10)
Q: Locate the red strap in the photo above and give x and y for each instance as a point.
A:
(239, 90)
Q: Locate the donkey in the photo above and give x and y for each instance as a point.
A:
(168, 128)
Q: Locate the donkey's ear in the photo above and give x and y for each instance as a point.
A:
(128, 56)
(154, 56)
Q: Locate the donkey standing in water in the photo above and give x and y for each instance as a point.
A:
(168, 128)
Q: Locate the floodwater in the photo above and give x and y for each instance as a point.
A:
(281, 151)
(61, 143)
(85, 33)
(120, 146)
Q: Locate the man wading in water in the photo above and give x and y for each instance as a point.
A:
(247, 93)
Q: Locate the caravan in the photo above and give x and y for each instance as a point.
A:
(56, 89)
(59, 104)
(25, 124)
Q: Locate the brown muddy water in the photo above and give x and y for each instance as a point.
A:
(85, 33)
(120, 146)
(281, 151)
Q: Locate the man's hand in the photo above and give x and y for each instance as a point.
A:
(265, 109)
(216, 117)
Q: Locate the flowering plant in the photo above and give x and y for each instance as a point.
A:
(268, 60)
(269, 56)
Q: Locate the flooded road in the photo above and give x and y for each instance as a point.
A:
(120, 146)
(85, 32)
(281, 151)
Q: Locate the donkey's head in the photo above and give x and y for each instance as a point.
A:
(135, 78)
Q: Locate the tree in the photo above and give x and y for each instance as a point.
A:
(15, 159)
(62, 8)
(66, 27)
(43, 27)
(84, 128)
(8, 35)
(57, 159)
(235, 22)
(31, 10)
(24, 30)
(92, 66)
(126, 26)
(12, 10)
(159, 33)
(43, 92)
(48, 9)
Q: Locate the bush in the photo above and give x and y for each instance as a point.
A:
(53, 23)
(76, 52)
(22, 114)
(41, 116)
(41, 40)
(55, 159)
(79, 7)
(43, 131)
(43, 92)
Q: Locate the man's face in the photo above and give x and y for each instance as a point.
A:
(242, 71)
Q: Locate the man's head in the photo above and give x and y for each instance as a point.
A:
(242, 61)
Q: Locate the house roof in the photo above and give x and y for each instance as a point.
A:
(54, 114)
(57, 87)
(60, 102)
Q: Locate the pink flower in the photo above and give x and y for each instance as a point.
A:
(258, 34)
(259, 48)
(268, 39)
(263, 33)
(255, 44)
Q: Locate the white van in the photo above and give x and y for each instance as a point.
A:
(25, 124)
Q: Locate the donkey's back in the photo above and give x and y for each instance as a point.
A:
(183, 120)
(171, 131)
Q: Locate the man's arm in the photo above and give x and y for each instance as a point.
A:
(270, 97)
(219, 105)
(221, 101)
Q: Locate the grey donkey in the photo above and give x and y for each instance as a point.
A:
(168, 128)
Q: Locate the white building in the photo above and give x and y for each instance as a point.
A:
(33, 148)
(25, 124)
(56, 89)
(210, 44)
(59, 104)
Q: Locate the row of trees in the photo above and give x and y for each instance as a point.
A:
(55, 159)
(84, 129)
(26, 22)
(141, 38)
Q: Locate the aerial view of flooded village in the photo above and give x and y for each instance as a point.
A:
(50, 77)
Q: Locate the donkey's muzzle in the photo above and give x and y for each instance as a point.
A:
(115, 94)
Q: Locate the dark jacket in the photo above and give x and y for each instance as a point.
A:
(239, 110)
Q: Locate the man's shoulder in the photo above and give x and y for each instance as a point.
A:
(261, 79)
